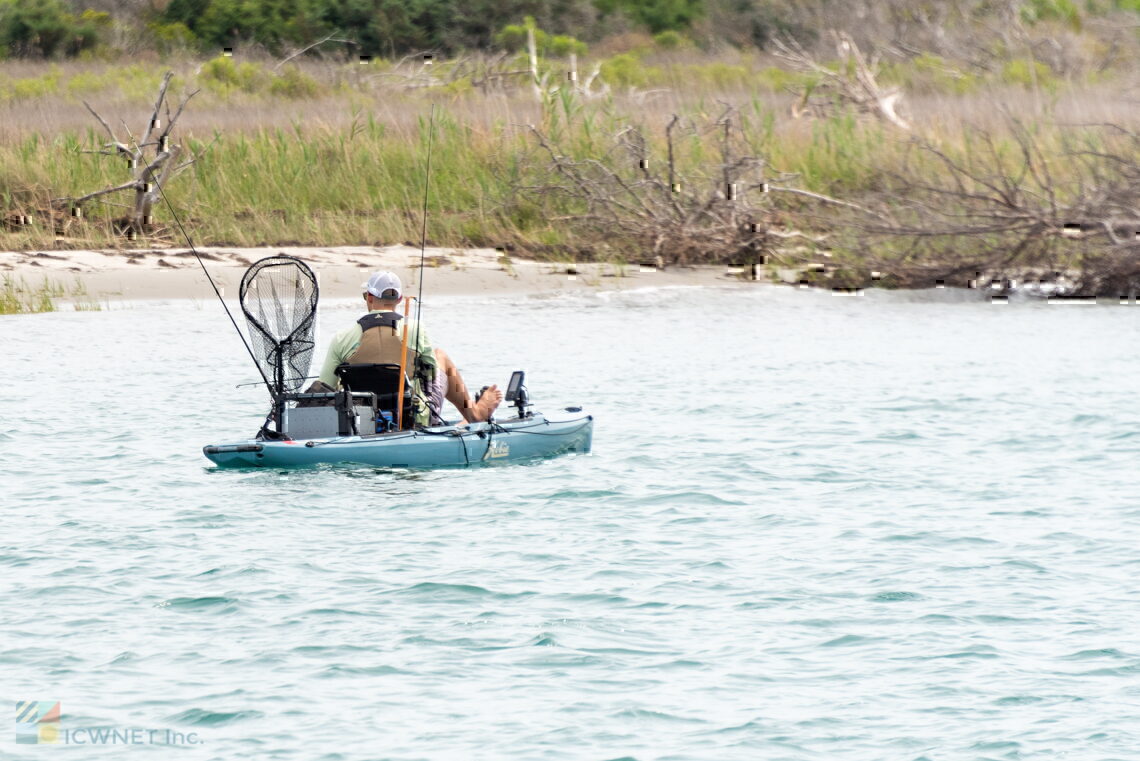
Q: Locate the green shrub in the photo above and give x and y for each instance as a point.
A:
(718, 74)
(656, 15)
(1064, 11)
(1026, 73)
(671, 40)
(31, 87)
(223, 76)
(781, 80)
(291, 82)
(628, 70)
(275, 24)
(561, 46)
(513, 38)
(46, 28)
(86, 83)
(98, 19)
(173, 36)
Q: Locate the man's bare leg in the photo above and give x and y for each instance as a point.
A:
(457, 394)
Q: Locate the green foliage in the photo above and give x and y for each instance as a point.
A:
(512, 38)
(776, 79)
(628, 70)
(272, 23)
(561, 46)
(31, 87)
(172, 36)
(1064, 11)
(391, 28)
(718, 75)
(291, 82)
(929, 73)
(223, 76)
(97, 19)
(380, 27)
(134, 81)
(671, 40)
(656, 15)
(47, 28)
(1029, 74)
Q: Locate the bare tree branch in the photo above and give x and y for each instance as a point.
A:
(307, 48)
(854, 82)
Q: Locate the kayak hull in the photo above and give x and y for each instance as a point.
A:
(513, 440)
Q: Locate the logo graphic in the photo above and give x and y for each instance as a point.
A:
(37, 721)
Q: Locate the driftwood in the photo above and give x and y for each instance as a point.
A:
(154, 160)
(854, 83)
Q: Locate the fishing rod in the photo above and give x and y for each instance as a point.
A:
(419, 299)
(423, 231)
(205, 271)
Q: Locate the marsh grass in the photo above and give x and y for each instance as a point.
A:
(17, 297)
(362, 182)
(342, 162)
(81, 298)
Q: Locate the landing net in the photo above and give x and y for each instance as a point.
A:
(278, 295)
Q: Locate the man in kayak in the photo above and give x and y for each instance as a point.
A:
(378, 337)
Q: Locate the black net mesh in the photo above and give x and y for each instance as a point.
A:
(279, 298)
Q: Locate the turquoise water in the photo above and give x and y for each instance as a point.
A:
(900, 526)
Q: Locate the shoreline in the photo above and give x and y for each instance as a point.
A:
(117, 275)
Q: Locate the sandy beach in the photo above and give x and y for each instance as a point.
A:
(176, 273)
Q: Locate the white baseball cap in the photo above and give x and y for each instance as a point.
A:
(383, 281)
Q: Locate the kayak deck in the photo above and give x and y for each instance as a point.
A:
(514, 439)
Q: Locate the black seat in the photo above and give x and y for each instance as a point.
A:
(382, 380)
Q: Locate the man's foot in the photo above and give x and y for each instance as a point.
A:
(490, 400)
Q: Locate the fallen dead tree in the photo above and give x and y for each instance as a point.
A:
(654, 203)
(153, 160)
(1045, 208)
(1058, 209)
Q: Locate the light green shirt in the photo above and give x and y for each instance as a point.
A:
(346, 342)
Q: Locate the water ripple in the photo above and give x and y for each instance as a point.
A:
(893, 527)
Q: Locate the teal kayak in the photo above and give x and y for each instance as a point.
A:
(361, 421)
(531, 437)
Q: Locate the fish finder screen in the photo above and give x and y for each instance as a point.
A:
(515, 384)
